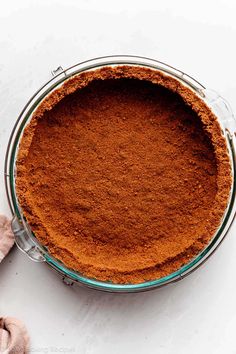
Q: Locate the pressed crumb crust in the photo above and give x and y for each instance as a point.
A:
(123, 174)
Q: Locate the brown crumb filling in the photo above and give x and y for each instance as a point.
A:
(123, 173)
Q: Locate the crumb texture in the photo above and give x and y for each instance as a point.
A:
(123, 174)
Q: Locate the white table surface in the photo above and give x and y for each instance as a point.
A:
(198, 314)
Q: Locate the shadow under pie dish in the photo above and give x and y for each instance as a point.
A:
(124, 176)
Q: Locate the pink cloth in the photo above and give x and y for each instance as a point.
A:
(6, 236)
(13, 337)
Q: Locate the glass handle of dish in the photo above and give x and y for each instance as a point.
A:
(221, 107)
(58, 71)
(24, 242)
(67, 281)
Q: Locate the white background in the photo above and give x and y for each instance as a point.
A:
(197, 315)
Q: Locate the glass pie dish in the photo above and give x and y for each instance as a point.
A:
(25, 238)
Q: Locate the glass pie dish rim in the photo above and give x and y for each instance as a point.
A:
(10, 160)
